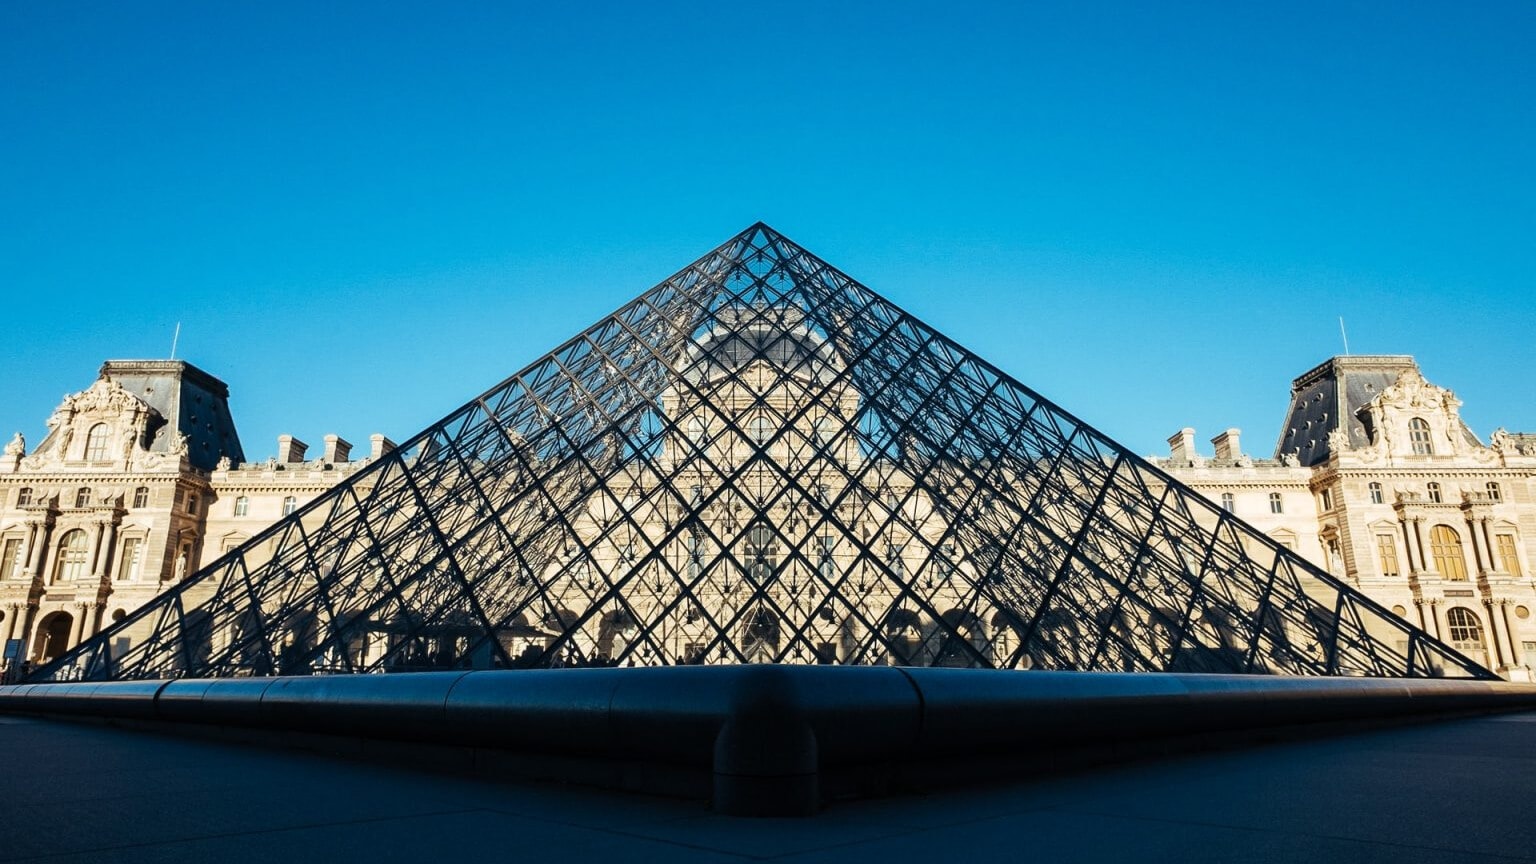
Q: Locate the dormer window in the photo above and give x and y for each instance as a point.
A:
(96, 443)
(1418, 435)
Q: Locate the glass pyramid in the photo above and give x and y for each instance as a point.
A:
(760, 461)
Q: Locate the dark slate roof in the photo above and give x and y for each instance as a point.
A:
(192, 400)
(1338, 388)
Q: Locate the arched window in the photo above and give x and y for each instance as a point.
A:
(1466, 630)
(24, 496)
(96, 443)
(1376, 496)
(1435, 495)
(1495, 494)
(83, 497)
(1275, 504)
(242, 506)
(1418, 434)
(70, 563)
(290, 504)
(696, 430)
(1445, 544)
(141, 496)
(1228, 502)
(760, 429)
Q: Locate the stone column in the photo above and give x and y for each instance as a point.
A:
(1496, 631)
(35, 566)
(1418, 543)
(1415, 567)
(92, 620)
(11, 614)
(94, 549)
(1480, 557)
(78, 631)
(1516, 650)
(108, 547)
(1437, 610)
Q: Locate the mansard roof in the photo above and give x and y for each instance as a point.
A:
(193, 402)
(1333, 393)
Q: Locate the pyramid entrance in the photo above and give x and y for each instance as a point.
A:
(760, 460)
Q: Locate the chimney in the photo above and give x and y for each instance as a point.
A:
(379, 445)
(1181, 446)
(1227, 448)
(290, 449)
(336, 449)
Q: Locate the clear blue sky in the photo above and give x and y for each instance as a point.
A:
(1152, 213)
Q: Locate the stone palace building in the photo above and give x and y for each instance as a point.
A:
(1376, 478)
(140, 480)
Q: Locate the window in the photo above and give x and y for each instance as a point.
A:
(131, 562)
(70, 561)
(1386, 550)
(1418, 434)
(1446, 546)
(760, 429)
(1326, 499)
(24, 497)
(1466, 630)
(192, 503)
(1376, 497)
(828, 544)
(1275, 504)
(242, 506)
(762, 553)
(898, 565)
(696, 430)
(141, 497)
(290, 504)
(1495, 494)
(83, 497)
(10, 559)
(96, 443)
(1507, 554)
(1435, 495)
(1228, 502)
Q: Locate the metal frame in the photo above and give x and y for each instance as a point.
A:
(664, 488)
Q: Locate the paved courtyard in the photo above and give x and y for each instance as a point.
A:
(1453, 791)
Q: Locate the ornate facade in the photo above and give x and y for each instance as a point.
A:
(1376, 479)
(140, 480)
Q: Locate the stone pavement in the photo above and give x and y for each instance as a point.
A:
(1453, 791)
